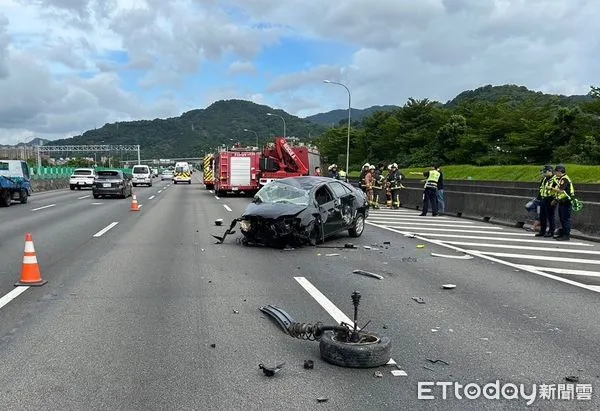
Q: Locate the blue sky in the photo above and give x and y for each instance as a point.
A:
(70, 66)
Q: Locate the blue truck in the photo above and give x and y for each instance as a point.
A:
(15, 182)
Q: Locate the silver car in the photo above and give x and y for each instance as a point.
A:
(166, 175)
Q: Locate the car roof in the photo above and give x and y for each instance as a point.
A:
(307, 182)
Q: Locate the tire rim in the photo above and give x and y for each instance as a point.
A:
(360, 224)
(365, 339)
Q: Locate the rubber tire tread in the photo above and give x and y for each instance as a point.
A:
(355, 355)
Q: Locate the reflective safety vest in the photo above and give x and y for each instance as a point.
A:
(546, 186)
(432, 180)
(567, 195)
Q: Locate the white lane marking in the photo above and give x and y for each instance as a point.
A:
(563, 271)
(458, 257)
(217, 197)
(416, 218)
(427, 225)
(412, 227)
(151, 197)
(41, 208)
(524, 247)
(97, 203)
(328, 306)
(227, 208)
(496, 260)
(160, 191)
(17, 291)
(518, 240)
(212, 191)
(105, 229)
(140, 205)
(539, 257)
(81, 198)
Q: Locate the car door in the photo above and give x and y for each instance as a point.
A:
(329, 209)
(346, 207)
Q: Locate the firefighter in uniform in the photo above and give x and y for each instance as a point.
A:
(565, 192)
(393, 184)
(546, 198)
(430, 193)
(363, 174)
(379, 182)
(333, 172)
(369, 183)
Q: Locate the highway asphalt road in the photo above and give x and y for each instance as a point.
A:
(130, 310)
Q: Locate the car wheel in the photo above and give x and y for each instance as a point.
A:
(358, 227)
(374, 351)
(23, 196)
(5, 199)
(72, 187)
(96, 196)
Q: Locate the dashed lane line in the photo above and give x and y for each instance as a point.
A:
(82, 197)
(151, 197)
(475, 253)
(217, 197)
(105, 229)
(12, 295)
(227, 208)
(337, 314)
(41, 208)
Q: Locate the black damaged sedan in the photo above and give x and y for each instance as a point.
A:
(303, 210)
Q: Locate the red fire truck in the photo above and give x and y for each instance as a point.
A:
(247, 169)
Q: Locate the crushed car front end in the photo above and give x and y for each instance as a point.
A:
(282, 230)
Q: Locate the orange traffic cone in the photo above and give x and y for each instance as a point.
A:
(30, 273)
(134, 204)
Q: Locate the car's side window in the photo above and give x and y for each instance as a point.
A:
(338, 189)
(323, 196)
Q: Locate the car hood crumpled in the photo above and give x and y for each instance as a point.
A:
(272, 210)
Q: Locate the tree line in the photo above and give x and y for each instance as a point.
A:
(503, 125)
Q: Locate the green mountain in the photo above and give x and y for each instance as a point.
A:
(335, 117)
(514, 94)
(198, 131)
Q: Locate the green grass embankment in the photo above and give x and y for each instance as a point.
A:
(526, 173)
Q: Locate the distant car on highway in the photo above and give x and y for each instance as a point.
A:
(141, 175)
(304, 210)
(155, 172)
(166, 175)
(82, 178)
(113, 183)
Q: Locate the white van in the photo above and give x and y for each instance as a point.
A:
(183, 173)
(141, 175)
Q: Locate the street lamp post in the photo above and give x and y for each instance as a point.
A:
(283, 119)
(349, 114)
(255, 133)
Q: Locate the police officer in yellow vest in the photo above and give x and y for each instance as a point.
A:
(546, 197)
(430, 194)
(565, 192)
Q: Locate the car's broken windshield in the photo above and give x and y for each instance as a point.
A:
(276, 192)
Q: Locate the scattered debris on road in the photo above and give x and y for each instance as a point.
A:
(271, 371)
(213, 345)
(236, 311)
(448, 286)
(289, 249)
(420, 300)
(420, 245)
(322, 399)
(410, 235)
(386, 243)
(309, 364)
(219, 222)
(399, 373)
(368, 274)
(436, 361)
(427, 368)
(572, 378)
(378, 374)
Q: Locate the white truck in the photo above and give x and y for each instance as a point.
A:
(183, 173)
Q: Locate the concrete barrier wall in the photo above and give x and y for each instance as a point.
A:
(47, 185)
(498, 207)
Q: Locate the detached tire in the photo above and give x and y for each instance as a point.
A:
(355, 355)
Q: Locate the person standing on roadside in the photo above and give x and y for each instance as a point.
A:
(440, 190)
(318, 171)
(430, 191)
(546, 197)
(565, 192)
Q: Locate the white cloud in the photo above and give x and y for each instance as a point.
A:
(62, 62)
(241, 67)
